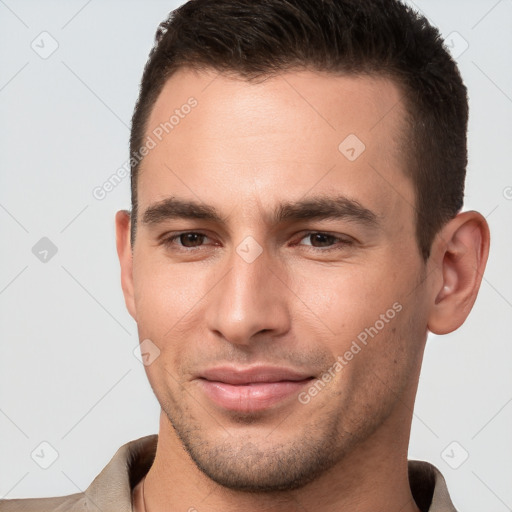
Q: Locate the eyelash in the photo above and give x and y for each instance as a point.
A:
(343, 242)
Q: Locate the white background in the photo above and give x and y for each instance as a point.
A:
(68, 375)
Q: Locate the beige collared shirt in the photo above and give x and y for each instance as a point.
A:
(112, 489)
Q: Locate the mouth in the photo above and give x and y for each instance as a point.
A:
(251, 389)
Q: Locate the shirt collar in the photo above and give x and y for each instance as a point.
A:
(112, 488)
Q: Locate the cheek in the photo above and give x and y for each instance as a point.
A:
(347, 299)
(392, 343)
(167, 298)
(375, 324)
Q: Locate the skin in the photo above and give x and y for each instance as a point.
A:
(245, 148)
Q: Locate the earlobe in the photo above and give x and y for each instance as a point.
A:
(124, 252)
(464, 247)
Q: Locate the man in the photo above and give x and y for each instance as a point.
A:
(297, 179)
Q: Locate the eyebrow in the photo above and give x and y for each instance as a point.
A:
(313, 208)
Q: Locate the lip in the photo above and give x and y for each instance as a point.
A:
(251, 389)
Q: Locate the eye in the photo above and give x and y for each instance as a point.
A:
(319, 240)
(187, 240)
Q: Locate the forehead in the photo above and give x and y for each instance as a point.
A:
(222, 138)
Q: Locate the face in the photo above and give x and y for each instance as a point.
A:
(277, 274)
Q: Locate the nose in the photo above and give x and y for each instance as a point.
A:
(250, 301)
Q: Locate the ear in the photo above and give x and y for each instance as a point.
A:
(124, 252)
(460, 250)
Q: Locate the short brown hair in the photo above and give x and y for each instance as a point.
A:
(256, 38)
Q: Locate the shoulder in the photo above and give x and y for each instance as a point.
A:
(428, 487)
(71, 503)
(111, 489)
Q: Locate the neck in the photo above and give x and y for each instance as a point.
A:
(372, 478)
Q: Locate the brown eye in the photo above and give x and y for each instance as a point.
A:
(191, 239)
(185, 240)
(321, 239)
(325, 242)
